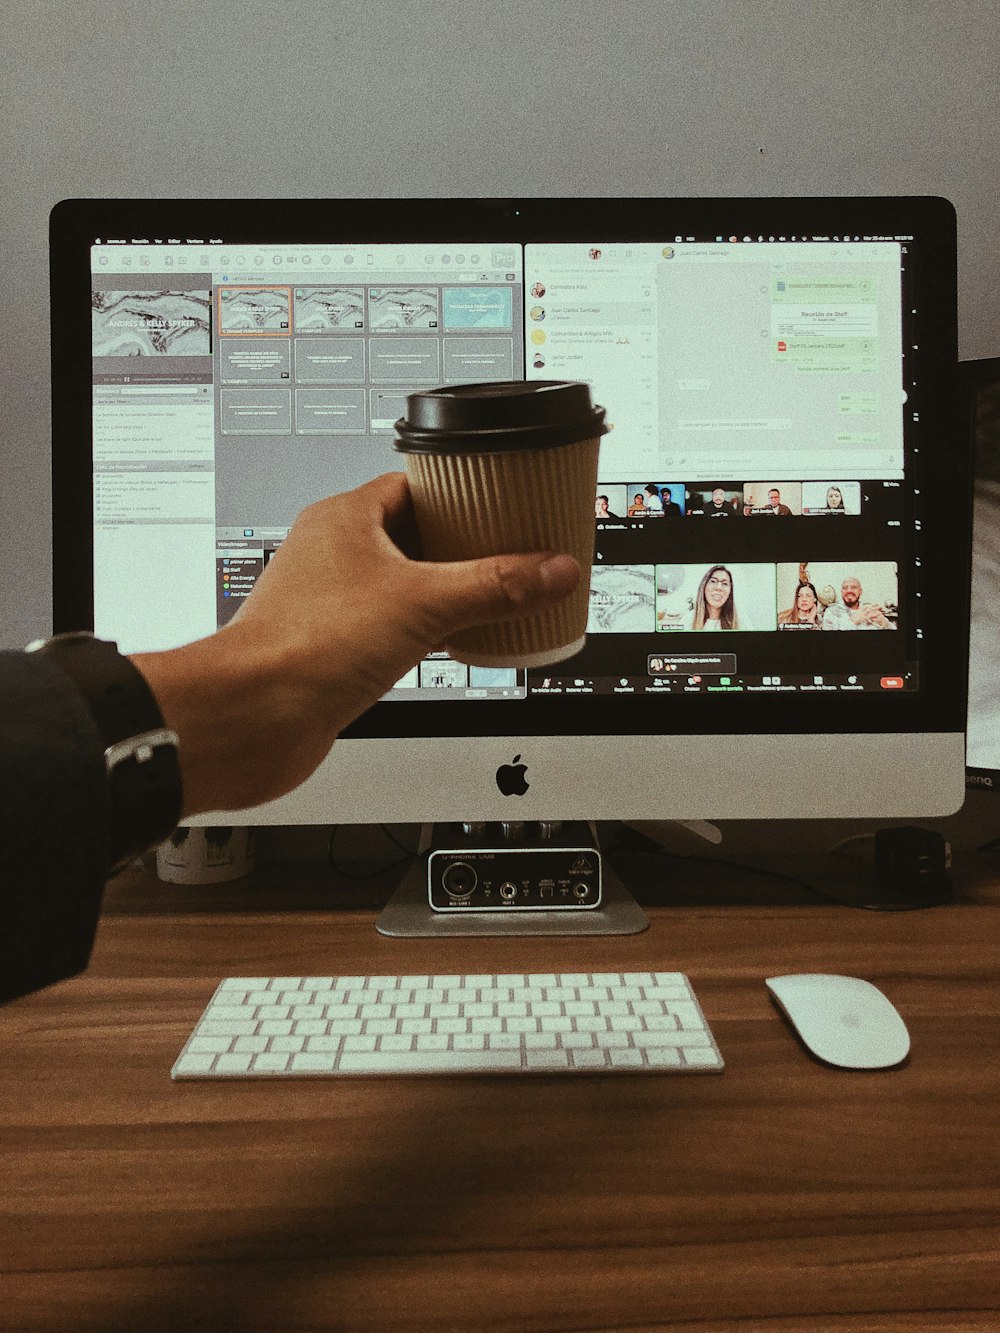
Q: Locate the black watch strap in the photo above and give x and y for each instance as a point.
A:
(140, 752)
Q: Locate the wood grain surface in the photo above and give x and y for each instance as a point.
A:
(783, 1195)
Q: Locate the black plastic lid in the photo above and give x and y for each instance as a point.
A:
(493, 418)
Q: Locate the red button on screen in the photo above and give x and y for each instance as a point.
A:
(892, 682)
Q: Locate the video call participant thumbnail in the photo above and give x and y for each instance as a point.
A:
(850, 595)
(610, 501)
(772, 500)
(714, 501)
(698, 599)
(656, 499)
(834, 498)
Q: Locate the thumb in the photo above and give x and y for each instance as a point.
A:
(462, 593)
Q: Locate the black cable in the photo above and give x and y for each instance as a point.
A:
(885, 905)
(380, 869)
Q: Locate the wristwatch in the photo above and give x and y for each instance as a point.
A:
(140, 752)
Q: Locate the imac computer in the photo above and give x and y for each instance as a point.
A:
(779, 599)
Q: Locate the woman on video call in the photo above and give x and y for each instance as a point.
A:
(804, 610)
(715, 604)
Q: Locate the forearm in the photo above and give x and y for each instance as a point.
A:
(248, 732)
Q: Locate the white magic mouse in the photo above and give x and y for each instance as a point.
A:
(842, 1020)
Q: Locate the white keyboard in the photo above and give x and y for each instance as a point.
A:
(511, 1023)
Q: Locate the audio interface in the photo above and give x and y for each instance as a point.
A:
(547, 866)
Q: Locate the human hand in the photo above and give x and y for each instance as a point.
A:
(340, 613)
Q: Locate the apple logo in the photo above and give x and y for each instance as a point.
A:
(510, 778)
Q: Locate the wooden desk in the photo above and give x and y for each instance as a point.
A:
(782, 1195)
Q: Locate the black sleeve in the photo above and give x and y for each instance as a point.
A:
(55, 825)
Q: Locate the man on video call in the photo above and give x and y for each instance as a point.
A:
(852, 613)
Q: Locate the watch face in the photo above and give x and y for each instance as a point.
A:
(74, 634)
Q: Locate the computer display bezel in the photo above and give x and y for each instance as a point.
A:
(974, 376)
(942, 467)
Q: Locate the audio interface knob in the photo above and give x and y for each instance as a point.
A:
(459, 880)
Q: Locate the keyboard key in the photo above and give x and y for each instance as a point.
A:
(540, 1041)
(289, 1044)
(469, 1041)
(252, 1044)
(395, 1042)
(380, 1026)
(428, 1062)
(365, 1043)
(687, 1014)
(589, 1059)
(666, 1056)
(230, 1027)
(270, 1062)
(275, 1028)
(705, 1056)
(213, 1045)
(626, 1058)
(322, 1044)
(233, 1064)
(310, 1063)
(546, 1059)
(503, 1041)
(192, 1064)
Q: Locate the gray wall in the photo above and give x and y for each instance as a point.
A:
(440, 97)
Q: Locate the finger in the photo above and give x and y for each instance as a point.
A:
(456, 595)
(392, 504)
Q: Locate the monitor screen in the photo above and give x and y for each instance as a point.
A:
(980, 394)
(778, 595)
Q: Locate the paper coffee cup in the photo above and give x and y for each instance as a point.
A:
(505, 468)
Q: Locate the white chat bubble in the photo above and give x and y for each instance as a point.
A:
(735, 423)
(790, 321)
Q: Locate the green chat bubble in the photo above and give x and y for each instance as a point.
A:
(836, 289)
(857, 437)
(863, 404)
(816, 354)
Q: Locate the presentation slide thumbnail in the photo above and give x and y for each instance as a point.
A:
(147, 323)
(329, 309)
(622, 599)
(254, 361)
(258, 311)
(403, 308)
(478, 308)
